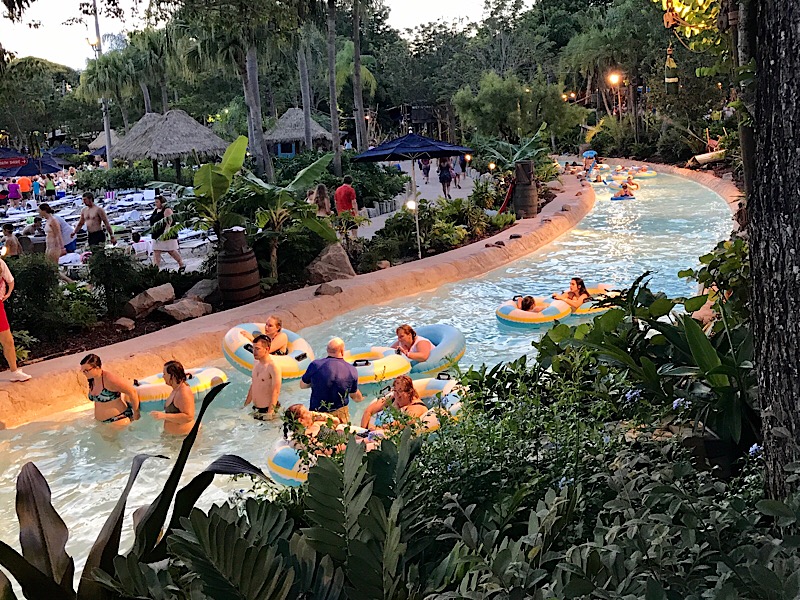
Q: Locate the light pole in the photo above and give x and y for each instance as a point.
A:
(615, 79)
(412, 206)
(97, 46)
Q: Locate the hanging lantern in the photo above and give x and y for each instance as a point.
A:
(671, 80)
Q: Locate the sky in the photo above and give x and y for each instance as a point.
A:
(66, 44)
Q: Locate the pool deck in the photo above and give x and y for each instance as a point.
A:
(57, 385)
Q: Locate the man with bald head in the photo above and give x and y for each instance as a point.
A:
(333, 382)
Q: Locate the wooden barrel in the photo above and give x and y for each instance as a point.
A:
(237, 270)
(526, 196)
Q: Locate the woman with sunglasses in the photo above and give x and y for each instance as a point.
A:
(115, 399)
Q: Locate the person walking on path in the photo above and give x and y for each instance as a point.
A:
(333, 383)
(50, 187)
(14, 193)
(345, 197)
(6, 339)
(457, 172)
(160, 221)
(445, 176)
(94, 217)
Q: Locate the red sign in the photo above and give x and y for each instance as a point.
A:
(10, 163)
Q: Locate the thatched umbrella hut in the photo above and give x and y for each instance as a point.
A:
(289, 132)
(170, 136)
(100, 141)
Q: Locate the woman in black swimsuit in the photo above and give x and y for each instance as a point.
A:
(115, 399)
(178, 413)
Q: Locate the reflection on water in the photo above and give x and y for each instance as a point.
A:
(670, 224)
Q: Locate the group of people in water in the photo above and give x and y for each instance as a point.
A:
(575, 296)
(332, 380)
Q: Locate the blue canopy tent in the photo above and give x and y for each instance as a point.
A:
(62, 149)
(57, 159)
(34, 166)
(9, 153)
(99, 152)
(411, 147)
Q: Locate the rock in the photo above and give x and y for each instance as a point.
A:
(566, 208)
(727, 177)
(326, 289)
(499, 243)
(202, 290)
(188, 308)
(149, 300)
(125, 324)
(331, 264)
(383, 264)
(579, 193)
(515, 236)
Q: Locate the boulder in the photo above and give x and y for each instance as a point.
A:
(331, 264)
(202, 290)
(326, 289)
(125, 324)
(384, 264)
(566, 208)
(149, 300)
(185, 309)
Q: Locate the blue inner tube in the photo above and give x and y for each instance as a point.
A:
(449, 345)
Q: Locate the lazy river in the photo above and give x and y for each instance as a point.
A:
(670, 224)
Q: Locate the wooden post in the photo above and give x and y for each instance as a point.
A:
(526, 196)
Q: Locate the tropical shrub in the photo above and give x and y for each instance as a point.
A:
(44, 307)
(120, 178)
(117, 274)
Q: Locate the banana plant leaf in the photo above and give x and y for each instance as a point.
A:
(42, 532)
(149, 529)
(106, 547)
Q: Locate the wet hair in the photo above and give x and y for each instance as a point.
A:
(278, 321)
(263, 339)
(405, 328)
(347, 179)
(581, 286)
(175, 370)
(92, 360)
(45, 207)
(136, 237)
(527, 303)
(37, 220)
(291, 418)
(88, 195)
(405, 385)
(321, 198)
(8, 227)
(161, 199)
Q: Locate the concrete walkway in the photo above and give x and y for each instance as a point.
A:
(425, 191)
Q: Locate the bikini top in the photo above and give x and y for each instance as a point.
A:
(171, 409)
(105, 395)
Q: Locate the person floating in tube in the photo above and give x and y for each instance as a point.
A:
(576, 295)
(528, 304)
(415, 347)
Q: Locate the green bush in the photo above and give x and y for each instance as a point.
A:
(120, 178)
(373, 182)
(44, 307)
(118, 275)
(675, 146)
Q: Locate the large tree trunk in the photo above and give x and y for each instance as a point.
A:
(775, 238)
(305, 92)
(164, 93)
(123, 111)
(358, 88)
(251, 66)
(337, 147)
(148, 108)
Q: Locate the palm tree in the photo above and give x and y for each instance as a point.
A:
(346, 69)
(358, 88)
(205, 44)
(111, 75)
(152, 53)
(337, 150)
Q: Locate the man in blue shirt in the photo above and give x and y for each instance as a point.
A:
(333, 382)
